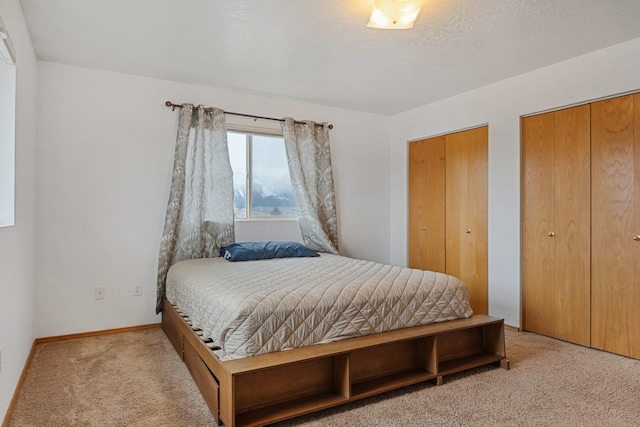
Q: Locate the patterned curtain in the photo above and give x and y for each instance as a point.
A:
(309, 158)
(199, 216)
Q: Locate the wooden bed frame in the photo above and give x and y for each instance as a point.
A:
(264, 389)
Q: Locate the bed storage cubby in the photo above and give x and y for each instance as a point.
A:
(300, 380)
(264, 389)
(470, 348)
(386, 367)
(277, 393)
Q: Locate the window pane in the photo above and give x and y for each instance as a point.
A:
(238, 157)
(271, 192)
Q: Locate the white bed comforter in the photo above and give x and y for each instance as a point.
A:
(255, 307)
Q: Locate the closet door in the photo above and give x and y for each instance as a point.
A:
(615, 129)
(426, 204)
(556, 224)
(538, 289)
(466, 213)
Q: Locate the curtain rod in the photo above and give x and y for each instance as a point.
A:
(174, 106)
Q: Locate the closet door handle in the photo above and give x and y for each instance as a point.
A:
(423, 228)
(636, 238)
(551, 234)
(468, 231)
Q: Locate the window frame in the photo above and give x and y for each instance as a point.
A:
(249, 130)
(8, 80)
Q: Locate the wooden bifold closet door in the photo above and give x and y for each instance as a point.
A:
(581, 224)
(426, 204)
(447, 227)
(615, 180)
(556, 224)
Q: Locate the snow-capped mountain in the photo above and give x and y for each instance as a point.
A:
(266, 192)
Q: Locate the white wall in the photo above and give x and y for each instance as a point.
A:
(272, 229)
(105, 156)
(599, 74)
(18, 243)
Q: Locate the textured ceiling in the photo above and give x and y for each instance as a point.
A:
(320, 51)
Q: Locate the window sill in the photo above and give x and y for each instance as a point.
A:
(268, 219)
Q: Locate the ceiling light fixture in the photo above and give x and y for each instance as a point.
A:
(7, 51)
(394, 14)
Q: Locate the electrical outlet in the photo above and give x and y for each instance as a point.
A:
(137, 291)
(99, 293)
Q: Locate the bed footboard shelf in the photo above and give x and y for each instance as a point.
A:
(268, 388)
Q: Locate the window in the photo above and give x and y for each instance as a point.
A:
(261, 181)
(7, 127)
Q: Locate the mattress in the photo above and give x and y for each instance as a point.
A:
(256, 307)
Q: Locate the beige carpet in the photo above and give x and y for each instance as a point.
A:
(137, 379)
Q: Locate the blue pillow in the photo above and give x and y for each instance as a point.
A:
(249, 251)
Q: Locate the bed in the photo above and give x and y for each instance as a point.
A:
(272, 339)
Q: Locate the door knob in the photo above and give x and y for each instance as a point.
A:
(423, 228)
(468, 231)
(551, 234)
(636, 238)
